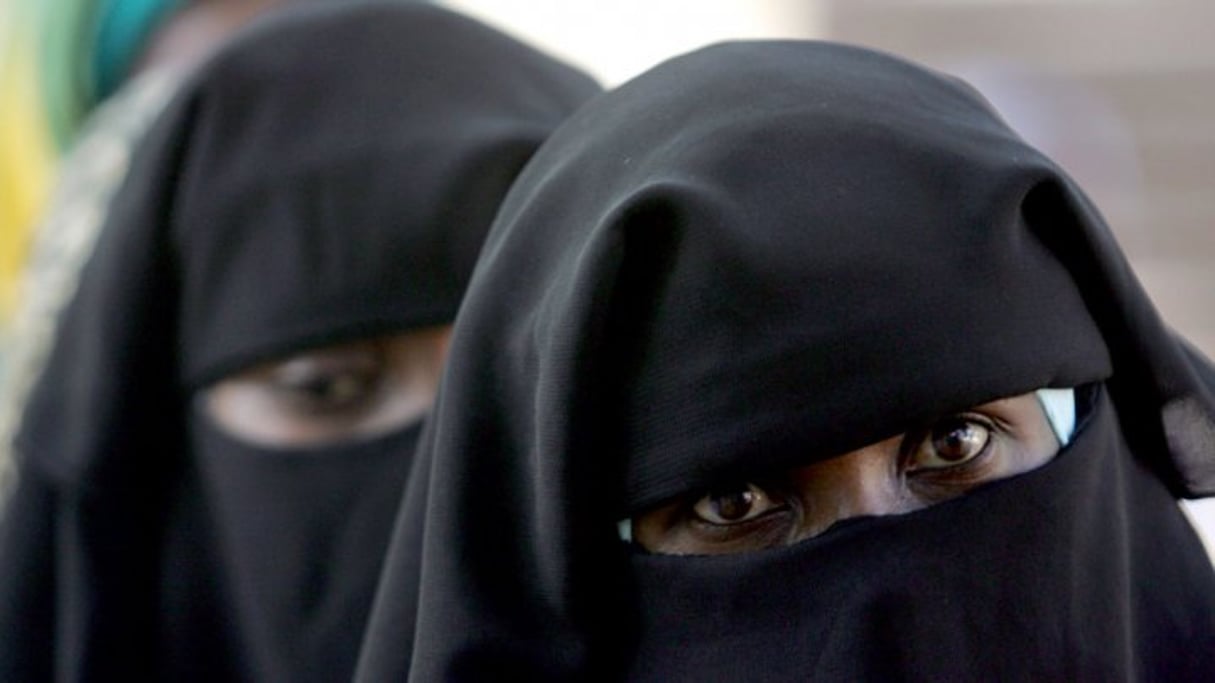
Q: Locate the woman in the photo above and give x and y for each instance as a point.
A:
(212, 461)
(803, 367)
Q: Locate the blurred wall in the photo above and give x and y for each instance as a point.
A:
(618, 40)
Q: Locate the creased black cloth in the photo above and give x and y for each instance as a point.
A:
(756, 256)
(328, 176)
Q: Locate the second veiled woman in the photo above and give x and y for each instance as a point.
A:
(211, 463)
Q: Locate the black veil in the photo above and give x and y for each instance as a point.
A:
(763, 254)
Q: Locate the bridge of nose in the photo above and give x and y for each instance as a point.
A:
(866, 481)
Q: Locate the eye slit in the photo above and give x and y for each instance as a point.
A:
(728, 507)
(952, 442)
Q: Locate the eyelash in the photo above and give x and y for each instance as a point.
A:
(309, 385)
(776, 501)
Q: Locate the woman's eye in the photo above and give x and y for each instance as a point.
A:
(327, 383)
(330, 389)
(952, 442)
(735, 506)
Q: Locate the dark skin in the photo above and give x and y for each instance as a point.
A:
(901, 474)
(336, 393)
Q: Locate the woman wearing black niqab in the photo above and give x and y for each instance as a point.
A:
(211, 463)
(749, 266)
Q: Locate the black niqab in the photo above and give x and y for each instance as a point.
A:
(329, 176)
(757, 256)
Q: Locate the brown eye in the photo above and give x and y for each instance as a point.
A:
(328, 382)
(734, 506)
(952, 442)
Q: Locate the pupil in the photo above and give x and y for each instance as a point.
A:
(959, 443)
(335, 389)
(734, 505)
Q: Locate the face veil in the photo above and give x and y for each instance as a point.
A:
(758, 256)
(328, 177)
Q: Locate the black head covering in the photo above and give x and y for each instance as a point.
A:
(751, 258)
(329, 176)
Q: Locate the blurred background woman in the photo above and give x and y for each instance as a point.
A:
(210, 465)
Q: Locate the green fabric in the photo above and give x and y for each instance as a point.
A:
(63, 29)
(88, 47)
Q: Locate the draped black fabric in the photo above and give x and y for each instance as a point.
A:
(757, 256)
(329, 176)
